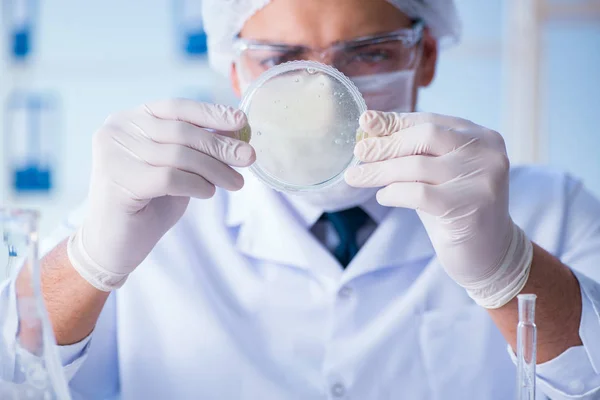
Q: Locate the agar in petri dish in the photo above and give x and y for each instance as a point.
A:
(303, 118)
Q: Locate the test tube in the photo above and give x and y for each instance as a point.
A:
(526, 347)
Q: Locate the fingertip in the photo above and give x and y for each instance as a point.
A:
(238, 184)
(376, 123)
(227, 118)
(368, 150)
(350, 176)
(366, 120)
(346, 179)
(367, 117)
(360, 149)
(208, 192)
(381, 197)
(246, 155)
(252, 157)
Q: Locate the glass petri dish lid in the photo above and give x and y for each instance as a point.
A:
(303, 123)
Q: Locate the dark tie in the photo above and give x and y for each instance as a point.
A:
(346, 223)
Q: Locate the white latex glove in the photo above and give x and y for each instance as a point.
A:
(456, 175)
(147, 163)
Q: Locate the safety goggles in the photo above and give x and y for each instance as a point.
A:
(389, 52)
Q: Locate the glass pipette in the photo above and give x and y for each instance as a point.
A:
(526, 347)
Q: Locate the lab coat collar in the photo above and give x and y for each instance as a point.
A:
(400, 239)
(273, 228)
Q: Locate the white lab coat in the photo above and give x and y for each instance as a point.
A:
(240, 301)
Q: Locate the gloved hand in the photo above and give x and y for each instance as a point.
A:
(456, 175)
(147, 163)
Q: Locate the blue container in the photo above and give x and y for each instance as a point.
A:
(31, 140)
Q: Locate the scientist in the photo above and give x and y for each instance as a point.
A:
(254, 294)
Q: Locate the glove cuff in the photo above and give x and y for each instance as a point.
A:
(511, 276)
(98, 277)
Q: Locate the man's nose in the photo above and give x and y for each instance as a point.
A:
(322, 56)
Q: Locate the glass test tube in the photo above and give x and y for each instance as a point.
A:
(526, 347)
(28, 340)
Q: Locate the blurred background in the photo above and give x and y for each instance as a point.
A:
(527, 68)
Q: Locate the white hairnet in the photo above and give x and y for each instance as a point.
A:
(224, 19)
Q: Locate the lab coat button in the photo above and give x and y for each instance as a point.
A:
(345, 292)
(338, 390)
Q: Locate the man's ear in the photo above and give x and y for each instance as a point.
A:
(428, 64)
(235, 81)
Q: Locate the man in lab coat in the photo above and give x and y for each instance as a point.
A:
(254, 294)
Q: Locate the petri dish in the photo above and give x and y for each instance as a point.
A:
(303, 123)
